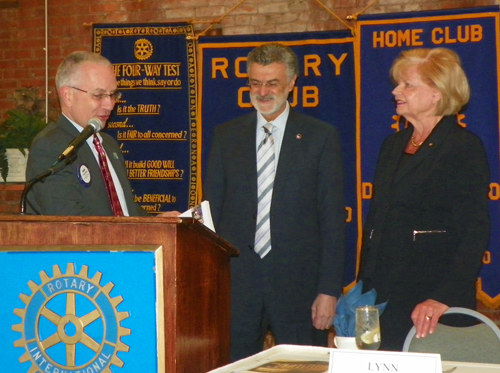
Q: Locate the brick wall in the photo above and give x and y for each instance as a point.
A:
(22, 26)
(22, 33)
(10, 195)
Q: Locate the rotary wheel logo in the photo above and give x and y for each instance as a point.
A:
(70, 324)
(143, 49)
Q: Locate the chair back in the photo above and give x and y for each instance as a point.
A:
(479, 343)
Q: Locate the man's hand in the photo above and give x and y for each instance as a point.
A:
(323, 310)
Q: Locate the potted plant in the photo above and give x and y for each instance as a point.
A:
(21, 126)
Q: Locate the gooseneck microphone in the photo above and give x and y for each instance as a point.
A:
(67, 157)
(93, 125)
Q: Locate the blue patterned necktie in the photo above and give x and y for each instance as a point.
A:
(265, 181)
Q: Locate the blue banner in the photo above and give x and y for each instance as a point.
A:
(473, 35)
(155, 121)
(324, 89)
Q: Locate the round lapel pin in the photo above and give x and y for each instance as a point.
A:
(83, 174)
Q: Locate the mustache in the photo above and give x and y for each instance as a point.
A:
(266, 97)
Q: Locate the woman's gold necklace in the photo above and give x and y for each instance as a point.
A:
(415, 144)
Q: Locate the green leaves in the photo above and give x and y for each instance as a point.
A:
(18, 131)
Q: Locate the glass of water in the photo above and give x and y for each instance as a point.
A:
(367, 328)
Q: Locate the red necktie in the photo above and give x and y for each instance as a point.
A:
(106, 175)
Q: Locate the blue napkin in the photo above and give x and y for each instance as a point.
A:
(344, 321)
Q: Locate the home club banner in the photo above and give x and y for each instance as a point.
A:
(324, 89)
(155, 121)
(473, 34)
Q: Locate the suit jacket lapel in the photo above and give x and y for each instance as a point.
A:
(117, 161)
(86, 157)
(114, 158)
(288, 151)
(396, 154)
(84, 153)
(248, 154)
(431, 146)
(67, 126)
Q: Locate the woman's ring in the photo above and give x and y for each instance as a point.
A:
(428, 318)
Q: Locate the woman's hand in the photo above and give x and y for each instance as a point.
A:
(426, 315)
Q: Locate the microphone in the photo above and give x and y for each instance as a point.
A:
(93, 125)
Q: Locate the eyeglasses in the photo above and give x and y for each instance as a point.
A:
(115, 96)
(256, 84)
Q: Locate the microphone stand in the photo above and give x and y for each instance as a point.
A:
(58, 166)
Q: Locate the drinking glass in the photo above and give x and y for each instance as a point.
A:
(367, 328)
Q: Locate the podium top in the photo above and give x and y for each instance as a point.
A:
(15, 228)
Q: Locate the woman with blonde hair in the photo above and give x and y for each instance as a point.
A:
(428, 223)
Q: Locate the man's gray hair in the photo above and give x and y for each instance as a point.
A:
(274, 52)
(67, 72)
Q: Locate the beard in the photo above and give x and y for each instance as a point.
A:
(268, 105)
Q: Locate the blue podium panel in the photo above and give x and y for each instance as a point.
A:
(80, 309)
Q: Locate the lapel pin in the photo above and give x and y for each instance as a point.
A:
(298, 136)
(83, 175)
(431, 144)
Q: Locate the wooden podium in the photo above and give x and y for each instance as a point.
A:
(192, 284)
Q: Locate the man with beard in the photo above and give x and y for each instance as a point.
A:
(275, 185)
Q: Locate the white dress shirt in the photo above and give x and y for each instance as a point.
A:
(278, 132)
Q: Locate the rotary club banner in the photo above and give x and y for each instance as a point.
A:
(473, 35)
(155, 120)
(324, 89)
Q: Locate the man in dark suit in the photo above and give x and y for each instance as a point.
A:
(87, 89)
(290, 283)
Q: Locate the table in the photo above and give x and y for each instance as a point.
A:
(322, 354)
(463, 367)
